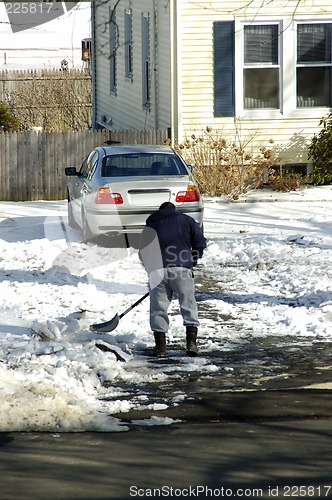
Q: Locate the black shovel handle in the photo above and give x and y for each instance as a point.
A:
(134, 305)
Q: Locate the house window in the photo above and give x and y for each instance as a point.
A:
(261, 72)
(314, 65)
(113, 49)
(273, 67)
(145, 62)
(128, 44)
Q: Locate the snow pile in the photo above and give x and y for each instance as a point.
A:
(267, 269)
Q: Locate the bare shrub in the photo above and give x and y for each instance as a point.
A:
(226, 167)
(285, 181)
(57, 101)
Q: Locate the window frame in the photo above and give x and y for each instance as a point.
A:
(262, 66)
(309, 64)
(287, 79)
(89, 165)
(128, 33)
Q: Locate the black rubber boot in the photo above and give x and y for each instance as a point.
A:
(160, 347)
(191, 334)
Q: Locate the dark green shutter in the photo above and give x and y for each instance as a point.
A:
(224, 54)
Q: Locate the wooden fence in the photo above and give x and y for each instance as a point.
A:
(32, 163)
(12, 80)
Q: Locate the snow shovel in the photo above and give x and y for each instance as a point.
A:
(111, 324)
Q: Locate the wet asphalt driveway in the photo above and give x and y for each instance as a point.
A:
(295, 375)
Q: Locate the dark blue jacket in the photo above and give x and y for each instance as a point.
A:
(171, 239)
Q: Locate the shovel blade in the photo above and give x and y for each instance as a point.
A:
(105, 327)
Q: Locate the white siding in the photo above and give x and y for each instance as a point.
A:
(124, 109)
(290, 129)
(193, 97)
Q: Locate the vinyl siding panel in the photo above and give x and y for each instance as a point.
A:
(290, 137)
(290, 129)
(228, 10)
(124, 109)
(197, 65)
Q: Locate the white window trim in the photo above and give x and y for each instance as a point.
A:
(287, 63)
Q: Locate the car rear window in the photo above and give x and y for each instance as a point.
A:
(125, 165)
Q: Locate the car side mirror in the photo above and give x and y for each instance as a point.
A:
(71, 171)
(190, 167)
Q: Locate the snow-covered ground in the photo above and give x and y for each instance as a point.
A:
(269, 264)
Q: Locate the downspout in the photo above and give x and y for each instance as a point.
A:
(93, 66)
(155, 69)
(174, 73)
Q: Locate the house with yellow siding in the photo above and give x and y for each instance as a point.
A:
(259, 68)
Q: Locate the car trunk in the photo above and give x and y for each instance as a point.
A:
(149, 191)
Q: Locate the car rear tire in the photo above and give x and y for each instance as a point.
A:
(86, 231)
(71, 221)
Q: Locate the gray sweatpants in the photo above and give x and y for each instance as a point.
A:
(163, 283)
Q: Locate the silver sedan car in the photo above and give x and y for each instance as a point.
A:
(118, 187)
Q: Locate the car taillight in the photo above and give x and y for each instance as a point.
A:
(104, 196)
(190, 195)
